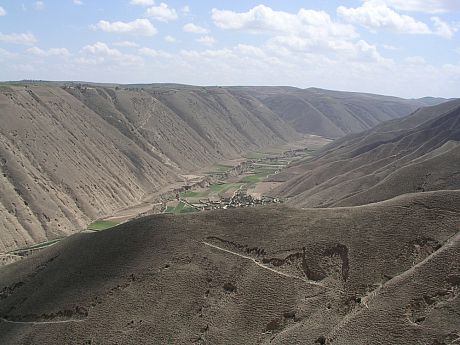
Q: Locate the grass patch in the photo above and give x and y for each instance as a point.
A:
(182, 208)
(194, 194)
(6, 88)
(220, 168)
(38, 245)
(255, 155)
(169, 209)
(222, 188)
(251, 179)
(188, 210)
(102, 225)
(179, 207)
(259, 174)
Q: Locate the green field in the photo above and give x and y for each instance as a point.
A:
(255, 155)
(182, 208)
(169, 209)
(220, 168)
(259, 174)
(6, 88)
(195, 194)
(102, 225)
(223, 187)
(38, 245)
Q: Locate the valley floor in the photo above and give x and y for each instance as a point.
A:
(239, 182)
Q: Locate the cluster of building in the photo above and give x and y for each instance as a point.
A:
(239, 199)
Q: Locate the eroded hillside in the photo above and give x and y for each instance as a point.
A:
(71, 155)
(418, 153)
(333, 113)
(384, 273)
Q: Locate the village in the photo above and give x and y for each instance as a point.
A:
(240, 198)
(245, 184)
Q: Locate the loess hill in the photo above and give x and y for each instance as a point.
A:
(385, 273)
(72, 154)
(382, 268)
(333, 113)
(417, 153)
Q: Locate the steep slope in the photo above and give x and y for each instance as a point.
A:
(63, 165)
(192, 126)
(70, 155)
(333, 113)
(247, 276)
(392, 159)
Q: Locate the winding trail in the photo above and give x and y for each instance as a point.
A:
(271, 269)
(41, 322)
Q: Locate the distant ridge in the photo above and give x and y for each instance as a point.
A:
(334, 113)
(74, 151)
(417, 153)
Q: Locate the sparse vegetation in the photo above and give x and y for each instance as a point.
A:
(102, 225)
(219, 168)
(183, 208)
(195, 194)
(254, 155)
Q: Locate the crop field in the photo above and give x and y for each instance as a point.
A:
(102, 225)
(180, 208)
(220, 168)
(195, 194)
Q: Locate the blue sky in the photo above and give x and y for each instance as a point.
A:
(407, 48)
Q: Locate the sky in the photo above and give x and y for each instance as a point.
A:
(406, 48)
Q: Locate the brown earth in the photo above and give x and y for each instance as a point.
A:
(333, 113)
(385, 273)
(368, 272)
(73, 154)
(69, 156)
(414, 154)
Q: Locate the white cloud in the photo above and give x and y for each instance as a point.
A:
(101, 53)
(77, 2)
(50, 52)
(162, 13)
(2, 11)
(206, 40)
(442, 28)
(154, 53)
(368, 52)
(142, 2)
(100, 48)
(5, 54)
(169, 39)
(249, 50)
(415, 60)
(427, 6)
(22, 38)
(128, 44)
(389, 47)
(195, 29)
(141, 27)
(185, 9)
(375, 14)
(263, 19)
(301, 33)
(39, 5)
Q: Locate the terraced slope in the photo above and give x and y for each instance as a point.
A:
(414, 154)
(384, 273)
